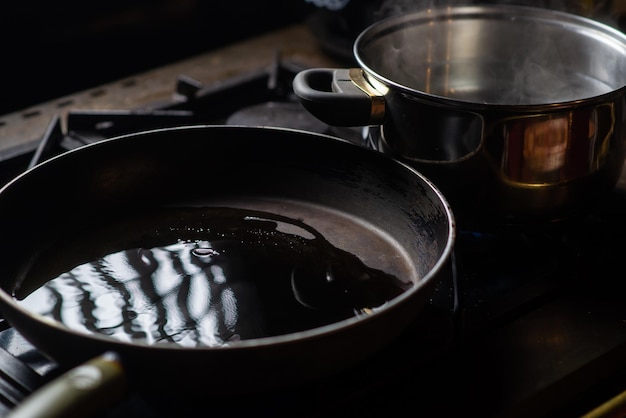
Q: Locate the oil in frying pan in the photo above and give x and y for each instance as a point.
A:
(201, 277)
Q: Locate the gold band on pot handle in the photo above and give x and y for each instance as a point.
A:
(376, 93)
(340, 96)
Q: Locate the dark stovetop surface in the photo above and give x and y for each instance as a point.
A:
(529, 321)
(522, 340)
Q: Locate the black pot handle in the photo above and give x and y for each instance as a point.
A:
(339, 97)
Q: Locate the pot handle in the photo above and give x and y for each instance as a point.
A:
(81, 392)
(339, 97)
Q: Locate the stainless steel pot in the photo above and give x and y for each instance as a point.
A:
(516, 113)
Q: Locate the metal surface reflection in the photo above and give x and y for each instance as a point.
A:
(554, 148)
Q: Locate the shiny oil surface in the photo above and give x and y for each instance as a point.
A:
(203, 277)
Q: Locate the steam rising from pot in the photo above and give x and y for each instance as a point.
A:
(602, 10)
(510, 59)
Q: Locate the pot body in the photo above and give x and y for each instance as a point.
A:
(511, 166)
(516, 113)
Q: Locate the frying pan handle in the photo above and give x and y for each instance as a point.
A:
(81, 392)
(339, 97)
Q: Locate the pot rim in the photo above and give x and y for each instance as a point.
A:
(564, 19)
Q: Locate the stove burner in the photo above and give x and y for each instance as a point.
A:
(509, 272)
(278, 114)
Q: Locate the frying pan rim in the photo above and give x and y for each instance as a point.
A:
(300, 336)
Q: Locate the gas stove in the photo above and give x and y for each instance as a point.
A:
(527, 320)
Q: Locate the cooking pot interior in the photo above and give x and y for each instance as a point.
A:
(510, 55)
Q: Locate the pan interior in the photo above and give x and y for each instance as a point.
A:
(212, 275)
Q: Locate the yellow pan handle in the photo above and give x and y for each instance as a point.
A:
(81, 392)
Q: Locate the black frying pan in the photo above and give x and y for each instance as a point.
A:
(342, 205)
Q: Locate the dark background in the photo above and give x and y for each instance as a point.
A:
(54, 48)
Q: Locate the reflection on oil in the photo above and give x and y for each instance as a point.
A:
(203, 277)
